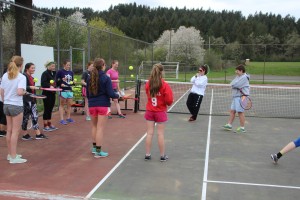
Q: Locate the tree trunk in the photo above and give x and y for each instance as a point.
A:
(24, 30)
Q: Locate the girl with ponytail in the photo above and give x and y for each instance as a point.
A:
(159, 95)
(12, 89)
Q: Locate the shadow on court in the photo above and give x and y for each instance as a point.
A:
(238, 166)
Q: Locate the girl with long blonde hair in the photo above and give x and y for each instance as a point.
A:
(13, 87)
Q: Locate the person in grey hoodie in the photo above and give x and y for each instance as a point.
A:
(238, 84)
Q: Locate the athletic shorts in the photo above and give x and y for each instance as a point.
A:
(66, 95)
(12, 110)
(235, 105)
(158, 117)
(95, 111)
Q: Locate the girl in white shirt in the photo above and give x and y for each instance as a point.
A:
(13, 87)
(197, 92)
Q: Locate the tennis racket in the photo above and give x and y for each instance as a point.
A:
(245, 101)
(36, 96)
(51, 89)
(125, 98)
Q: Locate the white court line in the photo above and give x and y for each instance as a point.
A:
(254, 184)
(113, 169)
(204, 186)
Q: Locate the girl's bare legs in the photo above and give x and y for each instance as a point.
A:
(161, 138)
(69, 103)
(16, 122)
(86, 107)
(150, 132)
(242, 119)
(289, 147)
(8, 133)
(99, 124)
(231, 117)
(117, 106)
(94, 128)
(62, 103)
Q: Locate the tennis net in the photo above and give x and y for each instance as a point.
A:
(268, 101)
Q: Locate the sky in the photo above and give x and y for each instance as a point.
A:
(247, 7)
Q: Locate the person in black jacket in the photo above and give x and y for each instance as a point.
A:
(48, 81)
(30, 107)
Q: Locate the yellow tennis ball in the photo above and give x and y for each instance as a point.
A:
(71, 82)
(51, 81)
(130, 67)
(75, 79)
(131, 75)
(35, 80)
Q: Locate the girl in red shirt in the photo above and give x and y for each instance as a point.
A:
(159, 95)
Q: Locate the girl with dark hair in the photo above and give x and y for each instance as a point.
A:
(197, 92)
(99, 93)
(113, 73)
(30, 106)
(64, 80)
(159, 95)
(13, 87)
(84, 79)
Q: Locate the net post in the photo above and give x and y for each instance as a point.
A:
(137, 95)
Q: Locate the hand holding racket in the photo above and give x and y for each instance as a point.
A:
(245, 101)
(36, 96)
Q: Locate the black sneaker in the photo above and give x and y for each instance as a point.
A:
(2, 133)
(41, 136)
(27, 137)
(148, 157)
(164, 158)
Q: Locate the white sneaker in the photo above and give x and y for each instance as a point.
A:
(17, 160)
(9, 156)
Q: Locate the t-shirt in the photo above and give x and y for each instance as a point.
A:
(114, 75)
(64, 74)
(163, 99)
(10, 88)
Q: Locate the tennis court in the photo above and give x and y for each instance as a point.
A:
(205, 162)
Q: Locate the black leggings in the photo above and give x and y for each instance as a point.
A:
(49, 103)
(193, 103)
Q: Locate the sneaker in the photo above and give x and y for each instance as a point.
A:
(27, 137)
(88, 118)
(47, 129)
(9, 156)
(63, 122)
(41, 136)
(191, 119)
(17, 160)
(227, 127)
(100, 154)
(121, 116)
(2, 133)
(274, 158)
(53, 128)
(109, 117)
(240, 130)
(93, 149)
(70, 120)
(148, 157)
(164, 158)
